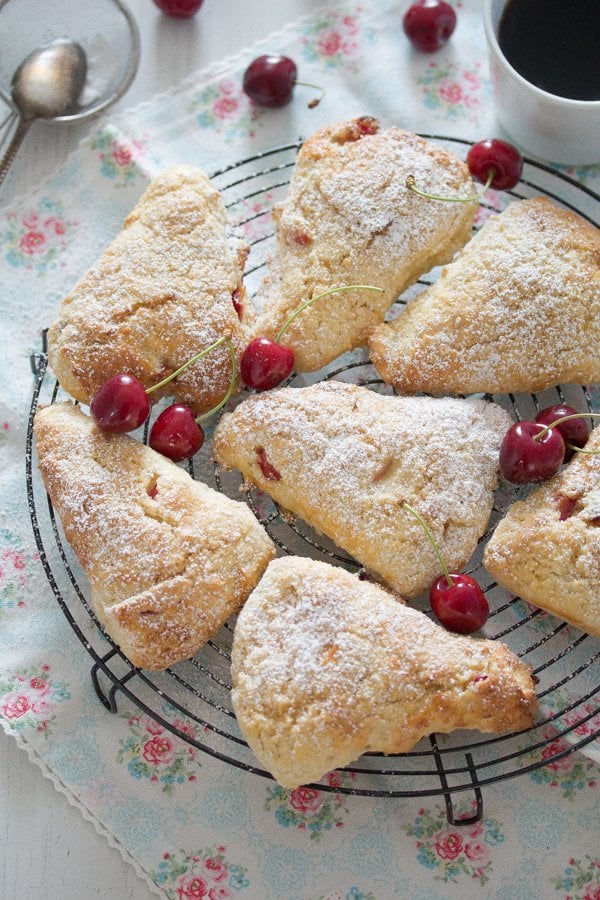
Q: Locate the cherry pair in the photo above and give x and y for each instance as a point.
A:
(534, 451)
(122, 405)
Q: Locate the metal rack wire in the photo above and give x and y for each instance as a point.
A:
(197, 692)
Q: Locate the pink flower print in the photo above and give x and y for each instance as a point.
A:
(216, 868)
(592, 892)
(184, 728)
(448, 846)
(30, 220)
(39, 707)
(558, 765)
(218, 893)
(475, 851)
(451, 92)
(306, 800)
(33, 242)
(55, 225)
(334, 779)
(40, 685)
(15, 706)
(472, 78)
(350, 24)
(225, 107)
(121, 154)
(227, 87)
(160, 750)
(329, 44)
(153, 727)
(191, 886)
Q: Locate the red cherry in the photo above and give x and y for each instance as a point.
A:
(496, 156)
(428, 24)
(265, 364)
(269, 80)
(524, 460)
(459, 607)
(574, 431)
(179, 9)
(121, 404)
(176, 433)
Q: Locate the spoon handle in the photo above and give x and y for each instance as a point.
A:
(17, 138)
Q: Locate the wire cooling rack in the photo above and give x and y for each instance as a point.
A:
(192, 699)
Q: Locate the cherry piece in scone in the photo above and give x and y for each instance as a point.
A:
(530, 453)
(179, 9)
(574, 431)
(265, 364)
(495, 163)
(121, 404)
(460, 606)
(176, 434)
(428, 24)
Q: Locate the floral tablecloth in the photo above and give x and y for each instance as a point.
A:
(192, 825)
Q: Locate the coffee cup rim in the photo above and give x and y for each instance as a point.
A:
(492, 39)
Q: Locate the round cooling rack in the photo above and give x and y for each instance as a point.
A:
(192, 699)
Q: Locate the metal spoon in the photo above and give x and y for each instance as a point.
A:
(45, 85)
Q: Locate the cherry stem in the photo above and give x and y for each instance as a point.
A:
(316, 100)
(230, 389)
(182, 368)
(303, 306)
(581, 450)
(411, 184)
(540, 434)
(431, 539)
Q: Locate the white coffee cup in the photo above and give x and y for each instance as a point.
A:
(552, 128)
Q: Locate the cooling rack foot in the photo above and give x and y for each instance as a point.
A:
(450, 814)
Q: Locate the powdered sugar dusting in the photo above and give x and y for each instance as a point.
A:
(359, 223)
(168, 558)
(162, 292)
(519, 310)
(348, 458)
(326, 667)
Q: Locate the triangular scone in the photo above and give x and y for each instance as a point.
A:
(345, 459)
(168, 558)
(326, 667)
(546, 549)
(519, 310)
(350, 219)
(162, 291)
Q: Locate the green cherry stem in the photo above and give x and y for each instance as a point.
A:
(182, 368)
(431, 540)
(316, 100)
(581, 450)
(411, 184)
(540, 434)
(303, 306)
(230, 390)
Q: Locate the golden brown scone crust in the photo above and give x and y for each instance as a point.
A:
(326, 667)
(168, 558)
(551, 561)
(519, 310)
(350, 219)
(160, 293)
(347, 459)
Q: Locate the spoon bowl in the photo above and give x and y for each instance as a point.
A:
(45, 85)
(105, 31)
(50, 79)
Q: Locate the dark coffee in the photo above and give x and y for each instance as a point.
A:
(554, 44)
